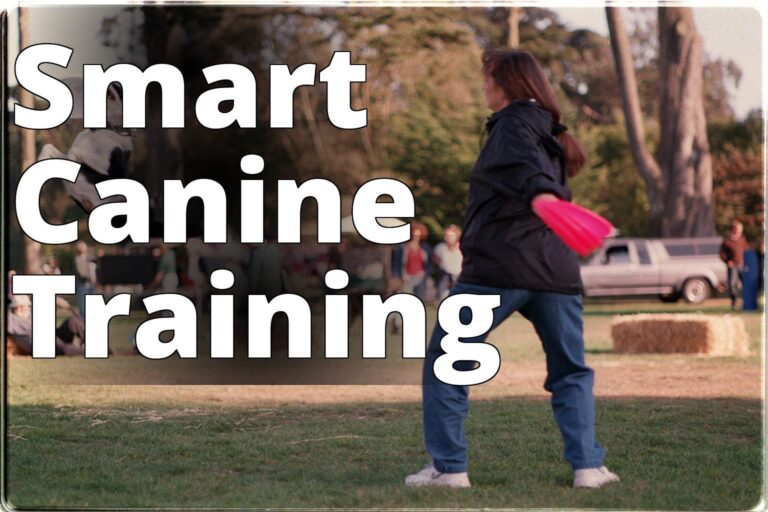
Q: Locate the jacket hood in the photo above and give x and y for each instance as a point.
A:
(537, 118)
(529, 111)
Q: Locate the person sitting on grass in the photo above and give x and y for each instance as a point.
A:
(19, 328)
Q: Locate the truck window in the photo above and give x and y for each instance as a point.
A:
(642, 253)
(616, 254)
(679, 249)
(709, 249)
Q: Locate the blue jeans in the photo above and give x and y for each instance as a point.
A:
(734, 283)
(558, 321)
(82, 289)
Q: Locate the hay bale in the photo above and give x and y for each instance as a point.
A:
(680, 333)
(11, 348)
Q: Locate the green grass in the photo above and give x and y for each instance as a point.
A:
(671, 454)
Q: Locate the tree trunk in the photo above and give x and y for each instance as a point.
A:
(161, 38)
(32, 264)
(314, 130)
(684, 149)
(633, 119)
(513, 23)
(679, 181)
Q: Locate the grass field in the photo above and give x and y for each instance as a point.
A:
(671, 454)
(683, 432)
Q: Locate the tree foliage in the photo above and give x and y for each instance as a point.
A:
(738, 176)
(425, 105)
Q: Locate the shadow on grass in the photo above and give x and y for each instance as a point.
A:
(630, 306)
(690, 309)
(672, 454)
(599, 351)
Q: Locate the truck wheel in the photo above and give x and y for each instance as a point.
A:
(670, 297)
(696, 290)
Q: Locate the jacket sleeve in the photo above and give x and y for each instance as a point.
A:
(517, 163)
(723, 253)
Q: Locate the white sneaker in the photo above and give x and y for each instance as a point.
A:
(612, 477)
(592, 478)
(424, 473)
(430, 477)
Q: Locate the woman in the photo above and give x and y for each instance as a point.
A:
(415, 261)
(510, 252)
(410, 262)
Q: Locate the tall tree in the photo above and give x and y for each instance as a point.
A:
(633, 118)
(684, 149)
(28, 148)
(513, 23)
(679, 182)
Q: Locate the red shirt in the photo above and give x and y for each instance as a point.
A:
(733, 250)
(414, 261)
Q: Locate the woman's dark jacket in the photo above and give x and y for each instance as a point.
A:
(504, 243)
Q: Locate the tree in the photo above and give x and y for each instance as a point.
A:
(513, 21)
(422, 95)
(633, 118)
(684, 148)
(679, 181)
(28, 149)
(737, 161)
(427, 107)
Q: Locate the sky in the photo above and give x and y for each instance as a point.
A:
(729, 33)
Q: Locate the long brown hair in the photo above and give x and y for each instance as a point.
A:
(520, 76)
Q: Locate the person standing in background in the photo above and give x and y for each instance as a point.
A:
(416, 266)
(85, 277)
(166, 278)
(448, 258)
(51, 266)
(265, 270)
(732, 253)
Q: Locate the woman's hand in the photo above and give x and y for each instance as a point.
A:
(546, 196)
(581, 230)
(541, 198)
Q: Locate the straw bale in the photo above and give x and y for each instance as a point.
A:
(11, 348)
(680, 333)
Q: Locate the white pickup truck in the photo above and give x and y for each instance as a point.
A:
(672, 268)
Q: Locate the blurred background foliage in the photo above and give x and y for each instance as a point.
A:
(425, 105)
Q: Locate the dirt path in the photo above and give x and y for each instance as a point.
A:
(672, 377)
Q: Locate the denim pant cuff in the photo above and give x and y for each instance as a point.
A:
(450, 468)
(587, 464)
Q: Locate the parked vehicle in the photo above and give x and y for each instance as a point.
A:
(672, 268)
